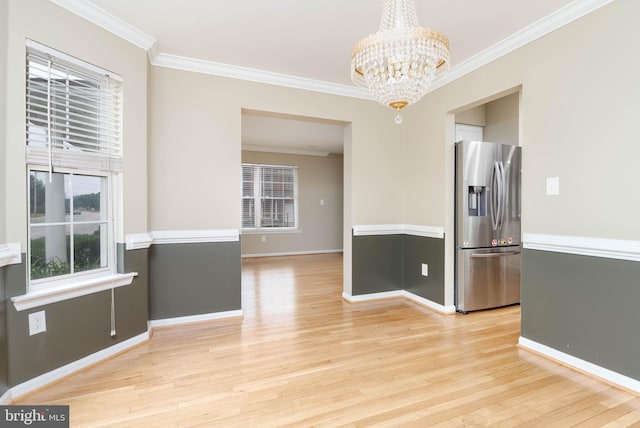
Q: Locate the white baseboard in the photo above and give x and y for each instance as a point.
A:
(373, 296)
(59, 373)
(291, 253)
(66, 370)
(581, 365)
(446, 310)
(194, 318)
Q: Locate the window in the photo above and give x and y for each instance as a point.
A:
(269, 197)
(74, 158)
(68, 223)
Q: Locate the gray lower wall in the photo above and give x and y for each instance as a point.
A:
(583, 306)
(394, 262)
(173, 281)
(194, 279)
(376, 263)
(76, 327)
(419, 250)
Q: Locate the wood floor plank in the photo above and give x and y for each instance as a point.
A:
(302, 356)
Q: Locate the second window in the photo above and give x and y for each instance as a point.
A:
(269, 197)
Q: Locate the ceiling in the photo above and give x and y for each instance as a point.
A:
(271, 132)
(307, 39)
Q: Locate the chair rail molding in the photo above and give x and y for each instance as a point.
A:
(136, 241)
(398, 229)
(10, 254)
(585, 246)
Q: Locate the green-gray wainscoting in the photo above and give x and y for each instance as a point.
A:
(394, 262)
(583, 306)
(194, 279)
(76, 327)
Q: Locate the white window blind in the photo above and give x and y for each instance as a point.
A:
(249, 175)
(269, 197)
(73, 112)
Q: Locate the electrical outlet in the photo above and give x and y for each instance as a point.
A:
(37, 323)
(425, 269)
(553, 186)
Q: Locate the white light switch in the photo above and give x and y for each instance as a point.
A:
(553, 186)
(425, 269)
(321, 202)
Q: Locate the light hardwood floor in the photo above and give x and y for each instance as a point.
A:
(302, 356)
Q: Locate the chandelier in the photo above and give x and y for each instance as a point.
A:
(400, 61)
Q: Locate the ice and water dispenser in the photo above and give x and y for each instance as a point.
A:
(477, 203)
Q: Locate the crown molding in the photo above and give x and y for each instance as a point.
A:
(584, 246)
(117, 26)
(260, 76)
(109, 22)
(546, 25)
(285, 150)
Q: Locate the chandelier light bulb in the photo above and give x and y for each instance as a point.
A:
(399, 63)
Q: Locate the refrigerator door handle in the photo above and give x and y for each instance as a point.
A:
(506, 253)
(503, 195)
(495, 195)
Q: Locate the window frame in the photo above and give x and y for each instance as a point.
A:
(54, 158)
(45, 283)
(258, 198)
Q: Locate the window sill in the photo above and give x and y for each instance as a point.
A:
(69, 291)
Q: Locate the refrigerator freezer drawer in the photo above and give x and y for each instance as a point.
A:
(487, 278)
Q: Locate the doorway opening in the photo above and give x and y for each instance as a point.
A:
(301, 164)
(490, 129)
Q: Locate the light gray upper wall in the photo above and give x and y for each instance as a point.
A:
(4, 12)
(579, 93)
(473, 116)
(320, 225)
(54, 26)
(195, 148)
(502, 117)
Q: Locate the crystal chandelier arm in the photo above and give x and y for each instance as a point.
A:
(399, 63)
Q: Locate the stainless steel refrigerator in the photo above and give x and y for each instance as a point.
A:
(487, 231)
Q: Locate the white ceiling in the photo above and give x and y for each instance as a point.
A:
(308, 39)
(291, 134)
